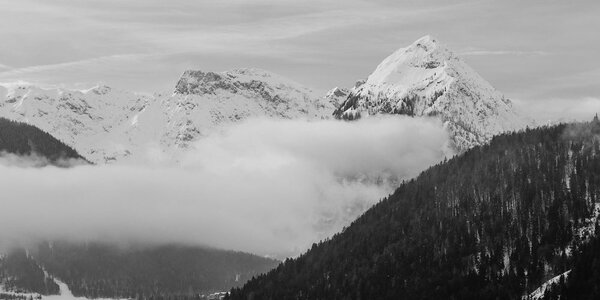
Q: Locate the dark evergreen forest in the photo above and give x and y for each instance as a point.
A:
(493, 223)
(583, 282)
(98, 270)
(24, 140)
(20, 273)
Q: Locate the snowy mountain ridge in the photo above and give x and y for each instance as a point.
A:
(85, 120)
(106, 124)
(427, 79)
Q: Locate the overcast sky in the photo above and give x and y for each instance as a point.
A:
(527, 49)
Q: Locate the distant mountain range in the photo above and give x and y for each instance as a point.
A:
(104, 124)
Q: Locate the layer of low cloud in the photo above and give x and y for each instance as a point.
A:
(36, 161)
(267, 187)
(554, 110)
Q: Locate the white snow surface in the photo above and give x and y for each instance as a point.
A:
(105, 124)
(65, 293)
(538, 294)
(427, 79)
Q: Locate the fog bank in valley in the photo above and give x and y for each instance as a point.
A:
(263, 186)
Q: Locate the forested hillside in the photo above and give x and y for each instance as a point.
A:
(494, 223)
(102, 270)
(583, 281)
(20, 273)
(26, 140)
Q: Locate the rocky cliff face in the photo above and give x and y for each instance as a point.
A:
(337, 96)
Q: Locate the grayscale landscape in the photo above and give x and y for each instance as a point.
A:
(266, 149)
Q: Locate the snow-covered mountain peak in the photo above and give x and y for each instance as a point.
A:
(100, 90)
(424, 58)
(426, 43)
(106, 124)
(428, 79)
(336, 96)
(337, 92)
(196, 82)
(257, 80)
(251, 73)
(423, 46)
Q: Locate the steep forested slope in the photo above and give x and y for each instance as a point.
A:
(494, 223)
(23, 139)
(583, 282)
(20, 273)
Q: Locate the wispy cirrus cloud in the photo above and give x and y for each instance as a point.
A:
(88, 72)
(319, 43)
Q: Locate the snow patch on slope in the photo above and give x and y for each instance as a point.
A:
(538, 294)
(582, 235)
